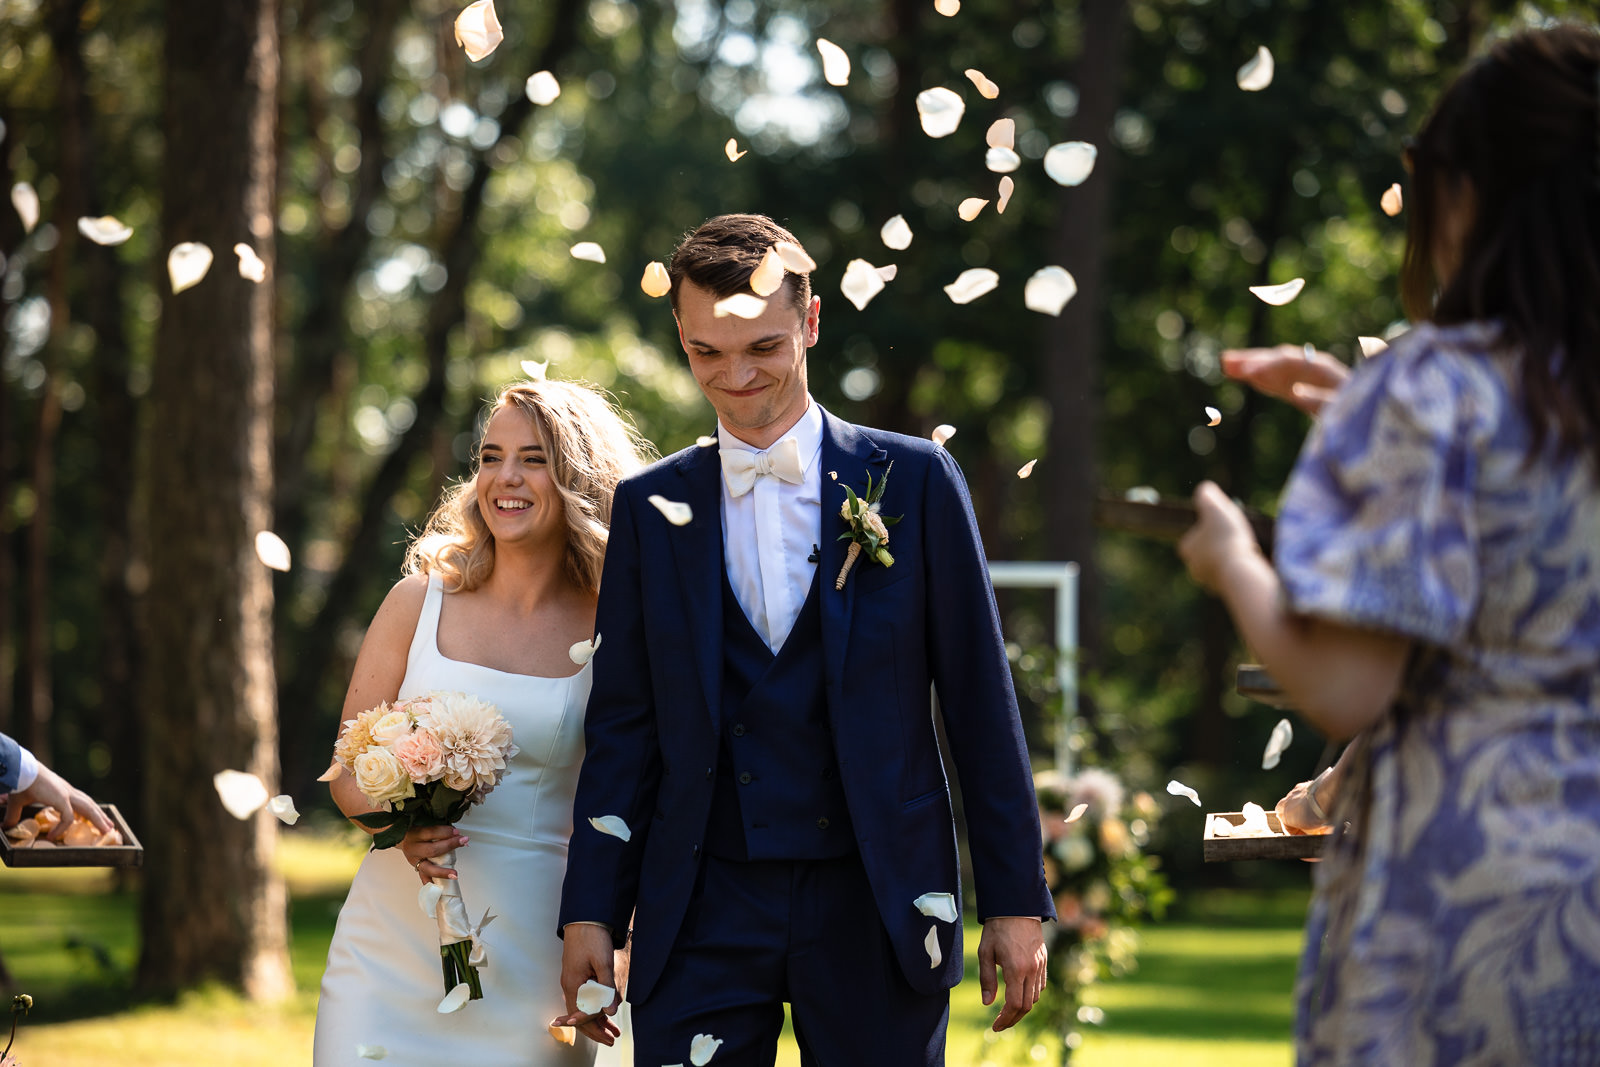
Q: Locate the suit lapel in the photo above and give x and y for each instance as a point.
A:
(697, 549)
(847, 453)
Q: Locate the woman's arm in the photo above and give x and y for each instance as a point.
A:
(379, 670)
(1340, 678)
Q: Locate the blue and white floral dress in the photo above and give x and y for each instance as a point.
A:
(1459, 921)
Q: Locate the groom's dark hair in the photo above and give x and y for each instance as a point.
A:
(723, 252)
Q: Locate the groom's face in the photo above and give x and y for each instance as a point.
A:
(752, 370)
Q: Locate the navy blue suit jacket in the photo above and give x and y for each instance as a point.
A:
(10, 763)
(652, 726)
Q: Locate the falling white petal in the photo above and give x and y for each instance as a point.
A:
(705, 440)
(371, 1052)
(1257, 72)
(454, 999)
(536, 369)
(795, 258)
(241, 793)
(702, 1048)
(1026, 470)
(105, 230)
(947, 8)
(676, 512)
(942, 433)
(970, 208)
(768, 276)
(888, 271)
(187, 264)
(896, 233)
(26, 201)
(590, 251)
(986, 88)
(1178, 789)
(594, 998)
(733, 151)
(937, 906)
(861, 283)
(1213, 416)
(478, 32)
(1143, 494)
(335, 769)
(542, 88)
(613, 825)
(1048, 291)
(940, 110)
(1391, 201)
(271, 550)
(1371, 346)
(971, 284)
(1070, 162)
(1277, 744)
(739, 305)
(835, 64)
(282, 806)
(428, 899)
(655, 281)
(931, 943)
(251, 266)
(584, 651)
(1002, 134)
(1008, 186)
(1002, 160)
(1278, 295)
(1076, 813)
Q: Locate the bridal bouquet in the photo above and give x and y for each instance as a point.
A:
(424, 762)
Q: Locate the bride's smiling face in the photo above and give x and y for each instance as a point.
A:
(516, 494)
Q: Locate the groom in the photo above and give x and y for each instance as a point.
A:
(769, 740)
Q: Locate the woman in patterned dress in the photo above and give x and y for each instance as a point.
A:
(1437, 591)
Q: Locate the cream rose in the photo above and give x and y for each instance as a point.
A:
(382, 777)
(391, 727)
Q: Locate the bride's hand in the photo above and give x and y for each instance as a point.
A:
(424, 844)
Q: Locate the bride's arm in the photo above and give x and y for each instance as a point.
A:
(379, 670)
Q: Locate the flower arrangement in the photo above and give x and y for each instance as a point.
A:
(1104, 885)
(424, 762)
(866, 528)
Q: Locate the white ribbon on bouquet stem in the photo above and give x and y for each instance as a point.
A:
(451, 914)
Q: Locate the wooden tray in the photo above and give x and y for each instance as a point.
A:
(1167, 520)
(130, 854)
(1252, 680)
(1284, 847)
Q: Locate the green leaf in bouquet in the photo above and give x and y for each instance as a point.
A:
(444, 799)
(375, 820)
(390, 837)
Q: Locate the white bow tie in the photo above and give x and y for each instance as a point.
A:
(741, 468)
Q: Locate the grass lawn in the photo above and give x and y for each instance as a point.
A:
(1213, 986)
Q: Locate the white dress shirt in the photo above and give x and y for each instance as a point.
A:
(770, 533)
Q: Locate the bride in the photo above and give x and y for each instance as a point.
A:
(499, 586)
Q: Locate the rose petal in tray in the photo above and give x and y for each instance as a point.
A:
(1280, 846)
(128, 854)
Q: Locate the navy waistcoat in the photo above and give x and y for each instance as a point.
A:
(777, 794)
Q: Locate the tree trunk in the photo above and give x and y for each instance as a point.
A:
(1072, 340)
(213, 907)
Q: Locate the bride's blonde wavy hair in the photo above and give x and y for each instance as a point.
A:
(588, 448)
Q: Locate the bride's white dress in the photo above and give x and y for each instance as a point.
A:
(383, 983)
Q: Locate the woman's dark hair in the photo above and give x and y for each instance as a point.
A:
(1522, 128)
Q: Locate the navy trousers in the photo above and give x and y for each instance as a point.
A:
(762, 933)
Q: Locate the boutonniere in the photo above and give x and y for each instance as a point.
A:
(867, 529)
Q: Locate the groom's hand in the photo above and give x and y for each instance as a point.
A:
(1016, 945)
(586, 953)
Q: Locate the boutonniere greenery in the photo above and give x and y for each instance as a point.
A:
(866, 528)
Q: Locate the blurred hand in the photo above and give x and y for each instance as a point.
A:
(423, 844)
(54, 791)
(1287, 373)
(1295, 809)
(1221, 533)
(1016, 946)
(586, 954)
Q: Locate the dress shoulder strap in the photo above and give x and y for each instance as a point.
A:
(425, 641)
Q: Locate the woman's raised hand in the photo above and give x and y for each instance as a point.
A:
(1305, 379)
